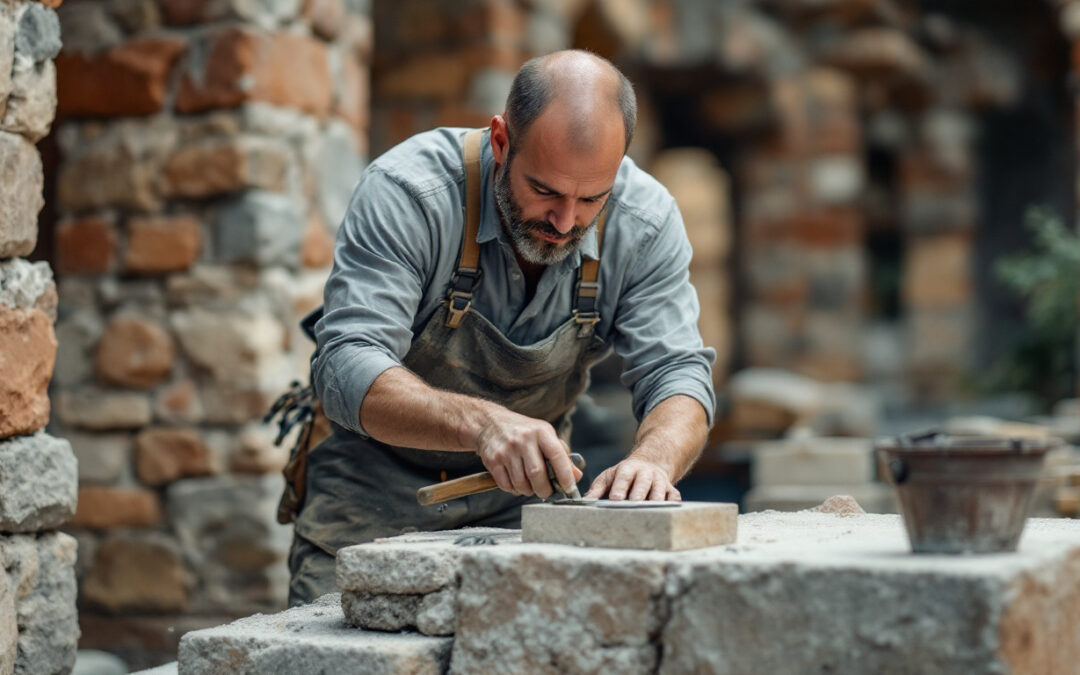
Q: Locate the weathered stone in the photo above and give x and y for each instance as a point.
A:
(20, 195)
(19, 558)
(437, 614)
(376, 611)
(27, 285)
(130, 79)
(9, 634)
(101, 410)
(814, 461)
(244, 65)
(86, 246)
(397, 568)
(553, 609)
(103, 458)
(164, 455)
(179, 403)
(103, 508)
(234, 348)
(27, 355)
(261, 228)
(137, 574)
(680, 527)
(255, 451)
(223, 165)
(38, 36)
(134, 352)
(47, 618)
(7, 53)
(159, 245)
(32, 104)
(228, 529)
(314, 635)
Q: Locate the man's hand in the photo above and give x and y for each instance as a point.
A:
(513, 448)
(634, 479)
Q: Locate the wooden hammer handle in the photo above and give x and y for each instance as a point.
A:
(458, 487)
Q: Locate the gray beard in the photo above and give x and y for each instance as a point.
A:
(537, 252)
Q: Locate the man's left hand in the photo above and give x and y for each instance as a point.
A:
(634, 479)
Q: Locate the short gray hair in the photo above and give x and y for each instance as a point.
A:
(531, 92)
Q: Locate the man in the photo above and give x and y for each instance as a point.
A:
(466, 307)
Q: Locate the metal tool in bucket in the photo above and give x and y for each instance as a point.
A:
(963, 494)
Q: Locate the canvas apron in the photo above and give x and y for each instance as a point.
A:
(359, 489)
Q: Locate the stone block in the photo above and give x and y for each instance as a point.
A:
(163, 455)
(160, 245)
(234, 348)
(939, 270)
(311, 638)
(547, 609)
(688, 525)
(398, 568)
(843, 594)
(375, 611)
(103, 508)
(814, 461)
(86, 246)
(9, 634)
(137, 574)
(27, 285)
(179, 403)
(20, 195)
(27, 355)
(241, 65)
(103, 458)
(129, 79)
(37, 37)
(102, 409)
(872, 497)
(31, 106)
(134, 352)
(260, 228)
(219, 166)
(47, 617)
(38, 480)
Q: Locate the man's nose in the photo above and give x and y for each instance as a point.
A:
(562, 216)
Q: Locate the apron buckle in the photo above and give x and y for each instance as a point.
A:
(459, 304)
(586, 322)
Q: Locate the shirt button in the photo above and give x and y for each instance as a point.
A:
(516, 276)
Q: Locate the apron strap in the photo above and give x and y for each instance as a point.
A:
(467, 277)
(587, 289)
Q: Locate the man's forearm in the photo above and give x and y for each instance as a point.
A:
(672, 435)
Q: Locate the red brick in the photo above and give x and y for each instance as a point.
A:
(161, 245)
(85, 246)
(245, 65)
(134, 352)
(222, 166)
(130, 79)
(105, 507)
(164, 455)
(27, 356)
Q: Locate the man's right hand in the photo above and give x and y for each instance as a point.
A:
(514, 447)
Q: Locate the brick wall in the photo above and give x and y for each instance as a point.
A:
(38, 623)
(207, 153)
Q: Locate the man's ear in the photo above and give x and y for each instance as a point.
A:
(500, 139)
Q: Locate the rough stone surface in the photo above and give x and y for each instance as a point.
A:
(20, 195)
(38, 36)
(32, 104)
(9, 634)
(38, 483)
(134, 352)
(437, 613)
(164, 455)
(686, 526)
(814, 461)
(101, 410)
(312, 638)
(234, 348)
(143, 574)
(376, 611)
(47, 618)
(25, 284)
(261, 228)
(162, 245)
(104, 508)
(398, 568)
(27, 355)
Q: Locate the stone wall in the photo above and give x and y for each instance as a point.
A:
(38, 622)
(207, 154)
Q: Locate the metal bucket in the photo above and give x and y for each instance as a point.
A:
(963, 494)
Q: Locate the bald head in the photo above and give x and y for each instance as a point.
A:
(585, 90)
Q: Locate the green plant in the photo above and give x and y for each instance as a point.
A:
(1043, 357)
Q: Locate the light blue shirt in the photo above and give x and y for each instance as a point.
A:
(398, 248)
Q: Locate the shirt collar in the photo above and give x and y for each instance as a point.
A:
(490, 225)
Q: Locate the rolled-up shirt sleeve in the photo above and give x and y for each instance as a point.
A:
(382, 252)
(656, 330)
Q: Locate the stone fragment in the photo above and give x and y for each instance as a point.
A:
(27, 285)
(219, 166)
(20, 195)
(315, 635)
(814, 461)
(163, 455)
(686, 526)
(102, 410)
(871, 497)
(137, 574)
(103, 458)
(38, 35)
(159, 245)
(553, 609)
(38, 480)
(841, 505)
(85, 246)
(9, 634)
(234, 348)
(242, 65)
(27, 355)
(376, 611)
(134, 352)
(103, 508)
(32, 104)
(129, 79)
(47, 617)
(260, 228)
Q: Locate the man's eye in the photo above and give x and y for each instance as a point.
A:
(590, 200)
